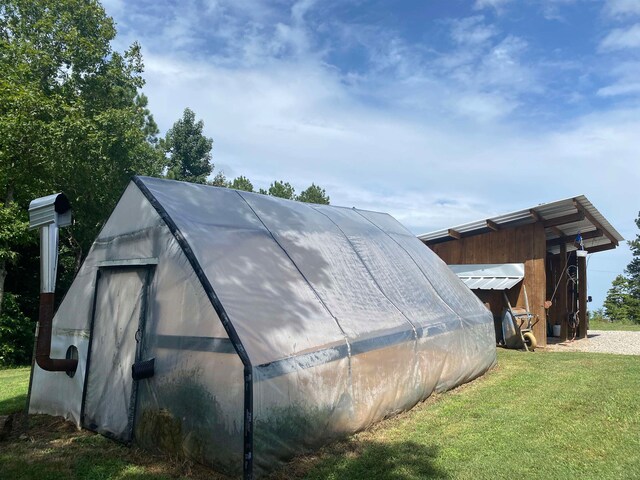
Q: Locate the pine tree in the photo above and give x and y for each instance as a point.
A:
(623, 299)
(189, 150)
(314, 194)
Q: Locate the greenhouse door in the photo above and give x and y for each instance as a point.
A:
(116, 332)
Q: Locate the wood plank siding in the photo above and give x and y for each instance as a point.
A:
(525, 244)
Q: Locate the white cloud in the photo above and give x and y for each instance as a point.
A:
(472, 31)
(626, 75)
(426, 136)
(503, 67)
(622, 8)
(113, 7)
(622, 38)
(495, 4)
(486, 74)
(299, 122)
(552, 9)
(483, 107)
(618, 89)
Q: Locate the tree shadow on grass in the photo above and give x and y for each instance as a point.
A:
(13, 405)
(51, 448)
(368, 459)
(54, 449)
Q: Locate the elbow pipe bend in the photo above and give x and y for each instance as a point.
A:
(43, 340)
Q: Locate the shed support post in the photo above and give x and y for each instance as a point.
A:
(582, 296)
(562, 310)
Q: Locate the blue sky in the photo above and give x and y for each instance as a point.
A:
(438, 112)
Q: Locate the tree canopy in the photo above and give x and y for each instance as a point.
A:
(623, 299)
(188, 149)
(314, 194)
(71, 118)
(282, 189)
(242, 183)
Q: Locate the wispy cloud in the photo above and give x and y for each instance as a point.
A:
(622, 38)
(495, 4)
(622, 8)
(487, 68)
(621, 88)
(553, 9)
(472, 31)
(626, 75)
(432, 129)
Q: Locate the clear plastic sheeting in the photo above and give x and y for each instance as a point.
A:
(275, 326)
(181, 331)
(109, 387)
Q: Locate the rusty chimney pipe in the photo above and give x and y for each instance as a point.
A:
(49, 214)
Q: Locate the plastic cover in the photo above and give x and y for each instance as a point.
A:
(192, 406)
(344, 317)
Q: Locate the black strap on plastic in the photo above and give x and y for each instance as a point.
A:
(224, 319)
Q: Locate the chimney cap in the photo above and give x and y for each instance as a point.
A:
(52, 209)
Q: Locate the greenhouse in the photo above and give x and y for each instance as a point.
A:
(238, 329)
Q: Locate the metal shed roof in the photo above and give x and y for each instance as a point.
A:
(563, 220)
(500, 276)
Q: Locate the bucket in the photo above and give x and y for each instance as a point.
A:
(556, 330)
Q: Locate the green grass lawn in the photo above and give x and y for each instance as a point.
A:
(600, 325)
(537, 415)
(14, 383)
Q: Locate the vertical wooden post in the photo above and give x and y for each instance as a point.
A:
(582, 296)
(561, 294)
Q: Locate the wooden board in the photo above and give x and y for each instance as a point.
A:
(525, 244)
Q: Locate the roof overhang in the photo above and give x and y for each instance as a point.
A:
(496, 276)
(562, 221)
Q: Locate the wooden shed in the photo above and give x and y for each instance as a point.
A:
(545, 239)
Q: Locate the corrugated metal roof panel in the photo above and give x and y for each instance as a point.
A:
(546, 211)
(489, 283)
(500, 276)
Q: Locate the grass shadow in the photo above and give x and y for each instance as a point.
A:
(13, 404)
(383, 460)
(51, 448)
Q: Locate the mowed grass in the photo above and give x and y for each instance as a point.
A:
(536, 415)
(622, 326)
(14, 383)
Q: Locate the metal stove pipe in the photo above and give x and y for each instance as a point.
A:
(49, 214)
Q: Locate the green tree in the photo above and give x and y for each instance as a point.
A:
(13, 232)
(242, 183)
(282, 189)
(188, 149)
(220, 180)
(623, 298)
(618, 302)
(633, 269)
(314, 194)
(71, 118)
(16, 334)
